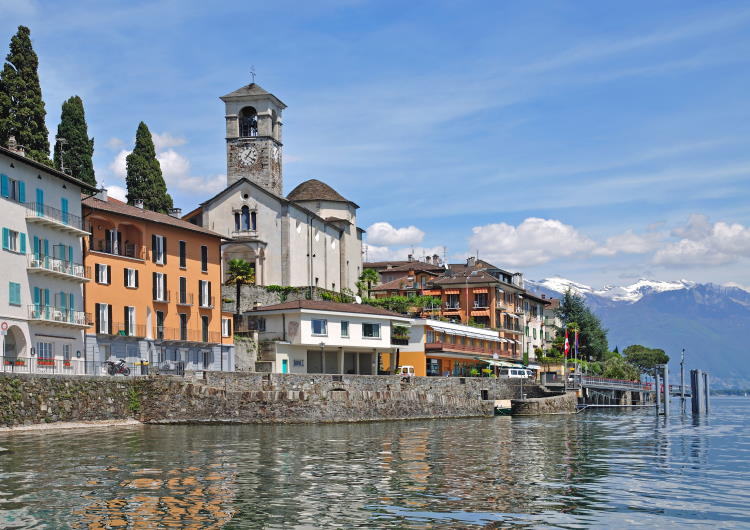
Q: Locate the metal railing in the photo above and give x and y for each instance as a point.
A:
(166, 296)
(59, 314)
(453, 306)
(587, 380)
(129, 250)
(58, 265)
(184, 298)
(74, 366)
(186, 335)
(123, 329)
(400, 341)
(480, 305)
(36, 209)
(206, 302)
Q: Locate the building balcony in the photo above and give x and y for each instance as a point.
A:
(481, 305)
(452, 307)
(185, 299)
(399, 341)
(206, 302)
(163, 297)
(197, 336)
(461, 348)
(126, 250)
(123, 329)
(59, 316)
(54, 218)
(245, 235)
(58, 267)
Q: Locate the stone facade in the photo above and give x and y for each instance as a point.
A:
(552, 404)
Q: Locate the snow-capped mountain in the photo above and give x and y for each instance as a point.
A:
(710, 321)
(617, 293)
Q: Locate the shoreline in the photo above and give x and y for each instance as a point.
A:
(56, 426)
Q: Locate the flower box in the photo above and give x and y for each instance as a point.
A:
(45, 362)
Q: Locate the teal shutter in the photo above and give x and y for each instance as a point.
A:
(64, 208)
(6, 239)
(37, 299)
(36, 248)
(46, 253)
(46, 303)
(40, 202)
(21, 191)
(22, 245)
(72, 304)
(70, 253)
(4, 185)
(63, 300)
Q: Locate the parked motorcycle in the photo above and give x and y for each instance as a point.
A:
(119, 367)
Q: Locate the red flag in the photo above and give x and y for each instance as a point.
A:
(567, 344)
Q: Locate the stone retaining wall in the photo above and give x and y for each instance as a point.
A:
(558, 404)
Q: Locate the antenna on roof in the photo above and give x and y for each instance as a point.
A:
(252, 72)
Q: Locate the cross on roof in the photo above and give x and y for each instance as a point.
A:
(252, 72)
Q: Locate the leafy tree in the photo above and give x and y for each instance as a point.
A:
(645, 359)
(144, 178)
(239, 273)
(22, 111)
(75, 155)
(592, 338)
(618, 368)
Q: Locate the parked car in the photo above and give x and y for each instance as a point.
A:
(514, 373)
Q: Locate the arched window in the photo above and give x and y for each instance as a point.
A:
(245, 218)
(248, 119)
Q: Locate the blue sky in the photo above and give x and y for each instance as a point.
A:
(599, 141)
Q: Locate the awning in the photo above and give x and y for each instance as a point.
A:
(534, 367)
(480, 291)
(464, 333)
(511, 315)
(452, 291)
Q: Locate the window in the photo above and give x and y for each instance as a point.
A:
(44, 350)
(160, 324)
(534, 332)
(66, 352)
(319, 327)
(204, 258)
(183, 326)
(183, 290)
(204, 328)
(14, 293)
(344, 328)
(527, 331)
(248, 122)
(480, 300)
(226, 327)
(204, 293)
(159, 249)
(130, 321)
(131, 278)
(12, 189)
(14, 241)
(245, 218)
(103, 318)
(102, 273)
(452, 302)
(371, 331)
(183, 255)
(160, 287)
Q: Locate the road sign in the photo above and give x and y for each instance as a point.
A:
(4, 326)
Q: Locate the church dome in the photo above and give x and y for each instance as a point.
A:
(315, 190)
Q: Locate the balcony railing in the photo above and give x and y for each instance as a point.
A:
(122, 329)
(452, 306)
(129, 250)
(400, 341)
(442, 346)
(184, 298)
(244, 234)
(480, 305)
(59, 315)
(165, 296)
(186, 335)
(45, 212)
(206, 302)
(59, 266)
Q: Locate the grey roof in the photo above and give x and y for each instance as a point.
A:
(316, 190)
(50, 170)
(252, 90)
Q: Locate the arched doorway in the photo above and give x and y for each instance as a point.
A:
(15, 343)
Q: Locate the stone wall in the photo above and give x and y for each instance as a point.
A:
(258, 293)
(537, 406)
(26, 399)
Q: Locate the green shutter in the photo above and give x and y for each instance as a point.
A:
(4, 185)
(6, 239)
(22, 245)
(21, 191)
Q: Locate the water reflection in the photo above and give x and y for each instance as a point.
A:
(614, 468)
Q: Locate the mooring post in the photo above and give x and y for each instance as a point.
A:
(666, 390)
(682, 381)
(706, 392)
(697, 390)
(657, 390)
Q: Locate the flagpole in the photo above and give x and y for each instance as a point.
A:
(565, 360)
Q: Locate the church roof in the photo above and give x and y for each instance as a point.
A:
(252, 90)
(315, 190)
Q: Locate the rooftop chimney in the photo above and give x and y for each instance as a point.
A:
(138, 203)
(470, 262)
(411, 257)
(175, 212)
(427, 259)
(436, 259)
(15, 147)
(101, 194)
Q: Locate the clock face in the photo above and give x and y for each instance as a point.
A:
(248, 155)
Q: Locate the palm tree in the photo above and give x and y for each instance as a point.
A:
(369, 276)
(239, 273)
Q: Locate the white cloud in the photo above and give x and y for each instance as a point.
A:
(166, 140)
(383, 233)
(630, 243)
(534, 242)
(385, 253)
(115, 143)
(703, 243)
(118, 165)
(117, 192)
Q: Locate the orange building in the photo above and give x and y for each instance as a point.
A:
(155, 294)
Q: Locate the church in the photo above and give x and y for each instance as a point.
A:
(307, 238)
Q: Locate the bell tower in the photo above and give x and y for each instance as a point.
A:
(254, 137)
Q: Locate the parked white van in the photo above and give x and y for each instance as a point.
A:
(406, 371)
(514, 373)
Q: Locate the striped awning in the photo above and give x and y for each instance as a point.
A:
(480, 290)
(452, 291)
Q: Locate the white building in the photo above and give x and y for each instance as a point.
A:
(41, 294)
(309, 237)
(533, 324)
(314, 337)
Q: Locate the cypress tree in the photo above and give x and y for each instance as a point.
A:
(22, 110)
(75, 155)
(144, 179)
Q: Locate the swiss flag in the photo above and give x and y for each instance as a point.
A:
(567, 344)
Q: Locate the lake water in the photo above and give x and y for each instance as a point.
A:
(614, 468)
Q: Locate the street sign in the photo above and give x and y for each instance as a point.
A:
(4, 326)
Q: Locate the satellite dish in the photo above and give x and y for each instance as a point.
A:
(358, 299)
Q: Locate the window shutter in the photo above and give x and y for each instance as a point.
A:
(136, 278)
(164, 286)
(22, 237)
(4, 185)
(96, 272)
(6, 239)
(154, 285)
(36, 247)
(164, 250)
(153, 248)
(70, 253)
(63, 300)
(109, 320)
(72, 305)
(126, 320)
(208, 302)
(21, 191)
(200, 293)
(46, 248)
(125, 277)
(97, 308)
(109, 274)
